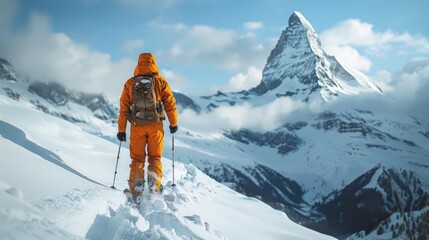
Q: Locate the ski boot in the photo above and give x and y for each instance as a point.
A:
(135, 194)
(138, 196)
(153, 189)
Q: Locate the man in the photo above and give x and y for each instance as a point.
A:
(143, 101)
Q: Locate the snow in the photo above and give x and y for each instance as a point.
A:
(54, 181)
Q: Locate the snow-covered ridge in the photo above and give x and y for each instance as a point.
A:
(54, 185)
(93, 112)
(313, 39)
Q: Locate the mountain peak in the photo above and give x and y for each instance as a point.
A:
(298, 18)
(299, 67)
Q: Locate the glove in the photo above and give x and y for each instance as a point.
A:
(173, 129)
(121, 136)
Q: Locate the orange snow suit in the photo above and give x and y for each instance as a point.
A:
(149, 136)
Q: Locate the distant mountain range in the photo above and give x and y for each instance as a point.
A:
(93, 112)
(353, 173)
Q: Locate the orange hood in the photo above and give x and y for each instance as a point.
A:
(146, 65)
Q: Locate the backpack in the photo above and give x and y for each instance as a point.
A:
(145, 108)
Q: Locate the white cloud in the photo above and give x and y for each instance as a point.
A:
(358, 33)
(203, 43)
(223, 48)
(342, 41)
(382, 76)
(265, 117)
(412, 82)
(382, 79)
(176, 81)
(351, 31)
(41, 54)
(253, 25)
(134, 45)
(244, 81)
(350, 56)
(405, 94)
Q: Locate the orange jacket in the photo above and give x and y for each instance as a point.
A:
(147, 66)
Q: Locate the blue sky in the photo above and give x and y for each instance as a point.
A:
(201, 46)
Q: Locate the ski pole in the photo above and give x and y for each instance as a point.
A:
(116, 168)
(172, 151)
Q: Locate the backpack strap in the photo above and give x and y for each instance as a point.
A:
(159, 108)
(155, 100)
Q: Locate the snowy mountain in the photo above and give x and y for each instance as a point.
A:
(93, 112)
(338, 171)
(300, 68)
(55, 181)
(57, 95)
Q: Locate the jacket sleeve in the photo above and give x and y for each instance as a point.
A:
(124, 105)
(169, 102)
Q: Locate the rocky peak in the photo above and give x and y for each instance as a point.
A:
(291, 53)
(298, 19)
(6, 71)
(298, 67)
(58, 95)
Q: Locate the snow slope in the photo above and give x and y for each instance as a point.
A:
(53, 185)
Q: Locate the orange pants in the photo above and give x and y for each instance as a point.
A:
(142, 137)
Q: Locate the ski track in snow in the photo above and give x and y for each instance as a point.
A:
(103, 213)
(198, 208)
(158, 217)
